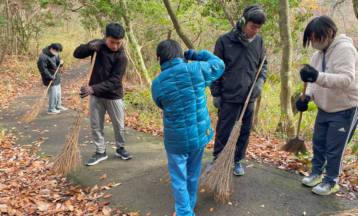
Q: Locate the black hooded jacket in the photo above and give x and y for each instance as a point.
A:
(241, 64)
(109, 69)
(47, 65)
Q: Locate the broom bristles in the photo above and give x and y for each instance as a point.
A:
(32, 114)
(218, 179)
(69, 156)
(294, 145)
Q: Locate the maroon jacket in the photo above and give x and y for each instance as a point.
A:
(108, 71)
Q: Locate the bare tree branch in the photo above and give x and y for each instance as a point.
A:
(227, 14)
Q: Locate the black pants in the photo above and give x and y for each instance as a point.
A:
(228, 114)
(332, 133)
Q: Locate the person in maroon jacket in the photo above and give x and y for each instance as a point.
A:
(106, 89)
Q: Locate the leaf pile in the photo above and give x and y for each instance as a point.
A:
(16, 79)
(27, 187)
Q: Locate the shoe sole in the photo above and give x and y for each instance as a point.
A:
(238, 174)
(327, 193)
(124, 158)
(96, 162)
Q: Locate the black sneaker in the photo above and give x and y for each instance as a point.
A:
(96, 158)
(123, 153)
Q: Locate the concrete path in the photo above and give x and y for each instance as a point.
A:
(262, 191)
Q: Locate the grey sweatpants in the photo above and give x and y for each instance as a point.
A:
(54, 94)
(115, 108)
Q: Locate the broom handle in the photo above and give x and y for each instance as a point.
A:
(49, 85)
(300, 118)
(252, 88)
(89, 76)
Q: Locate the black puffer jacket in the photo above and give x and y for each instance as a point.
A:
(47, 65)
(241, 65)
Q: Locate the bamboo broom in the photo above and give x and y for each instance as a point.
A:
(217, 180)
(69, 156)
(31, 114)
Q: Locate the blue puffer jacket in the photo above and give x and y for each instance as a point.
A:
(180, 92)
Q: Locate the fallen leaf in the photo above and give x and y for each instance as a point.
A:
(106, 210)
(103, 177)
(115, 185)
(149, 213)
(229, 203)
(107, 196)
(212, 209)
(262, 206)
(104, 188)
(248, 166)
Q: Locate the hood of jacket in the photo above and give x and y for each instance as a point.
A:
(47, 51)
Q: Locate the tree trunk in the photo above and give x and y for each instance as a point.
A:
(134, 42)
(177, 26)
(227, 14)
(285, 96)
(355, 7)
(256, 113)
(8, 31)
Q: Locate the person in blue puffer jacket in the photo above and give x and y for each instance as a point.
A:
(179, 90)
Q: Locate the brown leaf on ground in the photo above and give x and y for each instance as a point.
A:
(103, 177)
(107, 196)
(104, 188)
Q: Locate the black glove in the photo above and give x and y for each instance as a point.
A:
(85, 91)
(309, 74)
(302, 106)
(217, 102)
(257, 89)
(95, 45)
(190, 55)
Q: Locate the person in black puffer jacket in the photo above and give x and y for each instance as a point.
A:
(47, 65)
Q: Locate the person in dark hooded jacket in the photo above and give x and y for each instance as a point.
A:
(105, 89)
(242, 50)
(47, 65)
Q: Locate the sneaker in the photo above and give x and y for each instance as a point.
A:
(312, 180)
(62, 109)
(96, 158)
(54, 112)
(325, 188)
(210, 165)
(238, 170)
(123, 153)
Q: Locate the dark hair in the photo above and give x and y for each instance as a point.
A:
(56, 46)
(115, 30)
(320, 26)
(255, 14)
(168, 50)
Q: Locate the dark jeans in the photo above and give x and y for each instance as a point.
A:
(228, 114)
